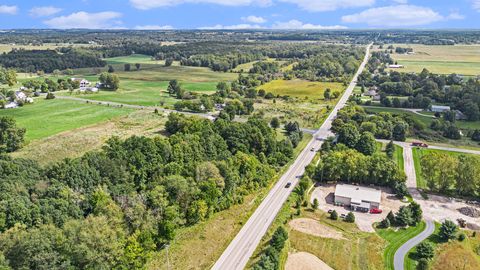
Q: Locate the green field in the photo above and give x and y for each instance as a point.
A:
(132, 59)
(300, 88)
(395, 239)
(147, 87)
(48, 117)
(460, 59)
(398, 156)
(45, 46)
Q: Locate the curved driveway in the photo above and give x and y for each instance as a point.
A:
(399, 258)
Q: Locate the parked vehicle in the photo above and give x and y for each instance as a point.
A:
(343, 215)
(313, 149)
(330, 211)
(419, 144)
(288, 185)
(375, 211)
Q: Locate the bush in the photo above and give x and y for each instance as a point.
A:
(385, 223)
(315, 203)
(50, 95)
(425, 250)
(448, 230)
(422, 264)
(334, 215)
(350, 217)
(461, 237)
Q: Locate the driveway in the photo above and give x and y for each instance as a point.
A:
(399, 258)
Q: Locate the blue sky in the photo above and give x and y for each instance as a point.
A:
(239, 14)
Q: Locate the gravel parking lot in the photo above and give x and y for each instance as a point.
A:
(364, 221)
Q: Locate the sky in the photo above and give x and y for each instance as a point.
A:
(239, 14)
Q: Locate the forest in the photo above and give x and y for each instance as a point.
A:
(49, 60)
(133, 194)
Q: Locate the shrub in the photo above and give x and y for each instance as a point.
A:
(350, 217)
(315, 203)
(385, 223)
(448, 230)
(50, 95)
(461, 237)
(425, 250)
(334, 215)
(422, 264)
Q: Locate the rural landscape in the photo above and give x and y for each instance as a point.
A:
(266, 145)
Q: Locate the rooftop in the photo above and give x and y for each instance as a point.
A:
(358, 193)
(440, 107)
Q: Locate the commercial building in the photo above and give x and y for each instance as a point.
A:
(358, 198)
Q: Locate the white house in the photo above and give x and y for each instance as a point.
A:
(83, 83)
(358, 198)
(439, 108)
(396, 66)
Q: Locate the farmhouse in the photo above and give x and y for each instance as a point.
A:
(83, 83)
(358, 198)
(438, 108)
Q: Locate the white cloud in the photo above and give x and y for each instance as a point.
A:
(231, 27)
(44, 11)
(295, 24)
(455, 16)
(329, 5)
(476, 5)
(391, 16)
(12, 10)
(400, 1)
(254, 19)
(154, 27)
(86, 20)
(149, 4)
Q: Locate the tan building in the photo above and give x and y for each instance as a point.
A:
(358, 198)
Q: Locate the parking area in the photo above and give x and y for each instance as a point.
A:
(325, 196)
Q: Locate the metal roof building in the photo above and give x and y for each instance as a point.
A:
(357, 197)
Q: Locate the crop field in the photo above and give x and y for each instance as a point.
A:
(460, 59)
(300, 88)
(48, 117)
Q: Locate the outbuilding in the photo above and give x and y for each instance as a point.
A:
(357, 197)
(439, 108)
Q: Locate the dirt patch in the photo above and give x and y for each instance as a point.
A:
(313, 227)
(305, 261)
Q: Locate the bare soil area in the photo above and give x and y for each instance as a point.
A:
(313, 227)
(305, 261)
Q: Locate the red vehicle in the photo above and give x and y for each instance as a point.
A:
(375, 211)
(419, 144)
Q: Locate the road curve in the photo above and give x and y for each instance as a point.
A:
(399, 257)
(237, 254)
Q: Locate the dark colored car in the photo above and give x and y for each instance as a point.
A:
(288, 185)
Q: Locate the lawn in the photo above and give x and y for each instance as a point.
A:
(46, 46)
(132, 59)
(395, 239)
(460, 59)
(398, 156)
(48, 117)
(301, 88)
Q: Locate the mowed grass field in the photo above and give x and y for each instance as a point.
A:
(46, 46)
(460, 59)
(48, 117)
(301, 88)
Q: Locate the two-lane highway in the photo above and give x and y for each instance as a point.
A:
(237, 254)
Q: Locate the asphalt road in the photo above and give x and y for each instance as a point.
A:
(399, 258)
(237, 254)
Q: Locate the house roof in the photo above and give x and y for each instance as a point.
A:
(357, 193)
(440, 107)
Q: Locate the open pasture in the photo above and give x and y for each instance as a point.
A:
(460, 59)
(48, 117)
(300, 88)
(46, 46)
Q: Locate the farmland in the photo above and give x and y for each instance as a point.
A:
(460, 59)
(48, 117)
(300, 88)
